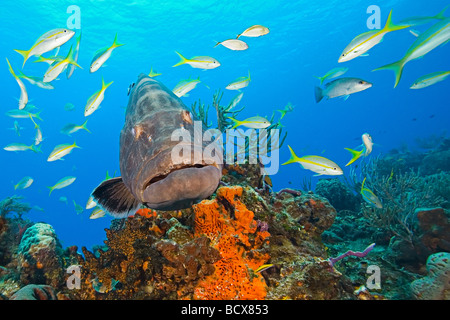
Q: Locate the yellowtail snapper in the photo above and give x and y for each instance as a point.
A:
(370, 197)
(47, 42)
(333, 73)
(60, 151)
(319, 165)
(23, 100)
(430, 79)
(72, 128)
(365, 151)
(22, 147)
(252, 122)
(184, 86)
(24, 183)
(200, 62)
(368, 40)
(96, 99)
(435, 36)
(417, 21)
(254, 31)
(64, 182)
(233, 44)
(239, 83)
(102, 55)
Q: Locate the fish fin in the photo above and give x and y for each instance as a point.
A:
(182, 61)
(320, 78)
(237, 123)
(355, 155)
(11, 69)
(71, 59)
(217, 43)
(397, 67)
(36, 149)
(390, 26)
(318, 92)
(441, 15)
(25, 54)
(293, 157)
(345, 97)
(116, 198)
(37, 115)
(105, 85)
(362, 185)
(415, 33)
(84, 126)
(117, 44)
(51, 190)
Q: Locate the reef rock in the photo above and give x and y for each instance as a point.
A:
(39, 256)
(436, 284)
(35, 292)
(434, 229)
(436, 162)
(338, 194)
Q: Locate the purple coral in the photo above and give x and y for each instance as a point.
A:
(362, 254)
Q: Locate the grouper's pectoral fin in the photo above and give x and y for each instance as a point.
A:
(116, 198)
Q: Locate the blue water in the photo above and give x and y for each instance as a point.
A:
(305, 39)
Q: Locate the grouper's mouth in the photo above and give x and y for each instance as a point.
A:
(181, 186)
(163, 176)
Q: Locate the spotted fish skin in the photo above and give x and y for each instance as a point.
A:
(149, 174)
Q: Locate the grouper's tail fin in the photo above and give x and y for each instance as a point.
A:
(116, 198)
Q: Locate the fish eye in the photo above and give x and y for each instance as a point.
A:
(361, 82)
(334, 169)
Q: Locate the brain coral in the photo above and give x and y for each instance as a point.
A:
(39, 255)
(436, 285)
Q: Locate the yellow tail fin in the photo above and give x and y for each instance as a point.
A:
(355, 155)
(25, 54)
(182, 61)
(293, 157)
(390, 26)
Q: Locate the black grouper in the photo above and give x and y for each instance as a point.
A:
(149, 174)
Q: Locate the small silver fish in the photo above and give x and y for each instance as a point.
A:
(342, 87)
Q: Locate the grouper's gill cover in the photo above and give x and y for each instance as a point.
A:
(149, 175)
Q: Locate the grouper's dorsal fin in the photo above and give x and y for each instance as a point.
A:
(116, 198)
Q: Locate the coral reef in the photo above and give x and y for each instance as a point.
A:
(35, 292)
(436, 284)
(338, 194)
(13, 204)
(39, 256)
(240, 246)
(248, 242)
